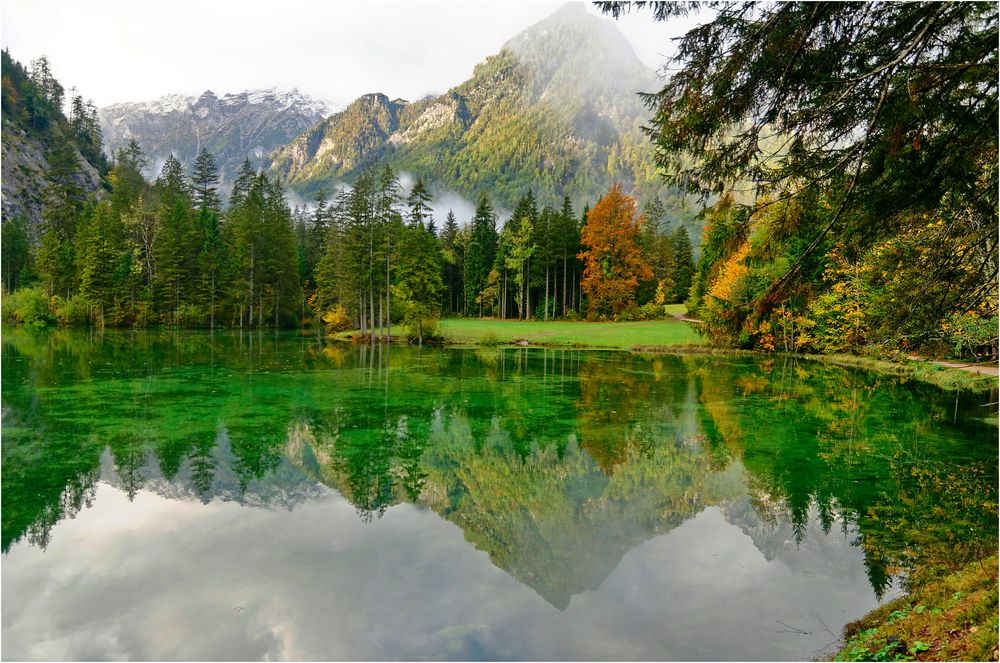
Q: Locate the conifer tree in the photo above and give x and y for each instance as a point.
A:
(178, 242)
(205, 182)
(64, 203)
(684, 266)
(419, 278)
(419, 204)
(481, 253)
(15, 243)
(452, 260)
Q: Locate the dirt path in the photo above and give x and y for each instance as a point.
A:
(982, 369)
(680, 316)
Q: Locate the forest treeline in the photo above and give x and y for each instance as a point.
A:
(171, 252)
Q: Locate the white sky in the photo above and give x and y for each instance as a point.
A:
(136, 50)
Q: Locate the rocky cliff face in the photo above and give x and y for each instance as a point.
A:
(233, 127)
(343, 141)
(555, 110)
(24, 177)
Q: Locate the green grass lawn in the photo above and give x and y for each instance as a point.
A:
(581, 334)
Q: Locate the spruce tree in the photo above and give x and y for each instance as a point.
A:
(481, 253)
(452, 260)
(683, 263)
(205, 182)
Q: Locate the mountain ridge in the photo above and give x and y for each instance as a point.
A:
(555, 110)
(234, 126)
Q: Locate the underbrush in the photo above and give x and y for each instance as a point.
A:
(953, 618)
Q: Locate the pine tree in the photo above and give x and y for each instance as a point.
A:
(15, 244)
(104, 263)
(178, 242)
(64, 199)
(481, 253)
(683, 263)
(452, 260)
(418, 268)
(569, 246)
(205, 182)
(419, 204)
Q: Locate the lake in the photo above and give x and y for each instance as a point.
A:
(186, 495)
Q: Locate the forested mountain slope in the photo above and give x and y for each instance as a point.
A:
(555, 110)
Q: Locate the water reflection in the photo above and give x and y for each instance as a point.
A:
(567, 469)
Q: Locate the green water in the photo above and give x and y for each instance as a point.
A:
(198, 497)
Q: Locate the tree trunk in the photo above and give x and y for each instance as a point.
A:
(388, 310)
(546, 294)
(564, 283)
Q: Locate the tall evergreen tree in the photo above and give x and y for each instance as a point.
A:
(178, 242)
(64, 198)
(481, 253)
(684, 266)
(418, 203)
(453, 262)
(15, 243)
(205, 182)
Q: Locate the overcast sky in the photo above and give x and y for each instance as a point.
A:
(136, 50)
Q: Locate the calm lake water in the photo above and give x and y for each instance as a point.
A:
(261, 496)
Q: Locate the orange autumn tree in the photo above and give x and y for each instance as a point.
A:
(613, 264)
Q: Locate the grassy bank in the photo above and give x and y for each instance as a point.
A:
(949, 379)
(950, 619)
(619, 335)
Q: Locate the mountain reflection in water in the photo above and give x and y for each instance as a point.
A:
(661, 507)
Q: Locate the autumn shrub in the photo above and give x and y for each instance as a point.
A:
(145, 315)
(337, 319)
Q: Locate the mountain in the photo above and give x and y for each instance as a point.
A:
(555, 110)
(232, 127)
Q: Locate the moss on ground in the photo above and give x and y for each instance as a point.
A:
(952, 618)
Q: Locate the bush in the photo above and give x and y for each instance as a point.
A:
(145, 316)
(189, 316)
(72, 312)
(337, 320)
(968, 335)
(489, 339)
(28, 306)
(652, 311)
(421, 325)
